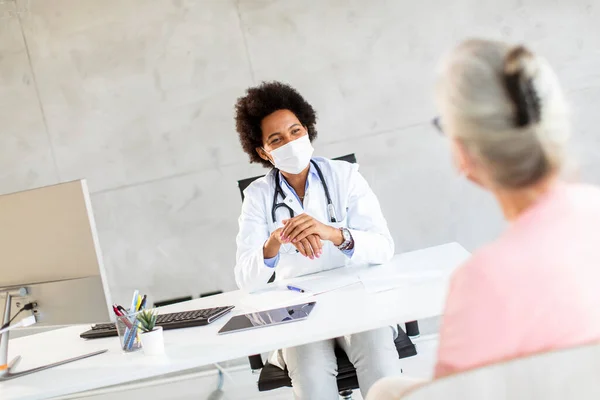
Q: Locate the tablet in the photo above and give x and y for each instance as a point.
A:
(260, 319)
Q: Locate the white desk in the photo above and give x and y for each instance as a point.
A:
(337, 313)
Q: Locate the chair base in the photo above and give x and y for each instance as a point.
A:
(346, 395)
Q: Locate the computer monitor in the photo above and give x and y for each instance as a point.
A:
(49, 248)
(49, 243)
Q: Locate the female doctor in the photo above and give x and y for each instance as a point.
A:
(308, 215)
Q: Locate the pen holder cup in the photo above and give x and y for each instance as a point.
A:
(129, 332)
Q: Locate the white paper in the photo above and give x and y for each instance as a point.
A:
(376, 284)
(414, 268)
(275, 297)
(278, 295)
(320, 285)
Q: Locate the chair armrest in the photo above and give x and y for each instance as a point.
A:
(256, 362)
(412, 329)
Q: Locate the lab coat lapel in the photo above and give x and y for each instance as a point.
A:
(282, 212)
(292, 201)
(314, 201)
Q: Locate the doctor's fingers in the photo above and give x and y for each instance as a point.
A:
(310, 231)
(298, 228)
(305, 249)
(315, 243)
(300, 247)
(310, 250)
(291, 224)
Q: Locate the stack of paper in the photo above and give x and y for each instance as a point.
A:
(375, 284)
(324, 284)
(278, 295)
(408, 269)
(414, 268)
(273, 298)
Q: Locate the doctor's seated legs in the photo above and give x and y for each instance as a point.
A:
(373, 354)
(313, 367)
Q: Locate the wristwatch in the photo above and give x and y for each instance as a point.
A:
(348, 242)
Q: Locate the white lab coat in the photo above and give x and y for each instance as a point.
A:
(356, 208)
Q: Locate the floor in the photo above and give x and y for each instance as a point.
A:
(240, 383)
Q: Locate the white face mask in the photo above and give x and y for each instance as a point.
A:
(294, 156)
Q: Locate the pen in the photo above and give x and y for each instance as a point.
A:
(133, 332)
(295, 289)
(119, 314)
(134, 301)
(143, 305)
(138, 304)
(117, 311)
(126, 322)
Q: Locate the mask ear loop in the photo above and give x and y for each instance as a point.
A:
(267, 153)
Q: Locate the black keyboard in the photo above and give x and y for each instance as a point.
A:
(184, 319)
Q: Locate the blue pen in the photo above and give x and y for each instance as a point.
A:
(134, 301)
(127, 338)
(295, 289)
(133, 335)
(130, 333)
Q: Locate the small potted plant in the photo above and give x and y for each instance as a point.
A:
(152, 336)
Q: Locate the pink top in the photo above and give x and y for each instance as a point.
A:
(536, 288)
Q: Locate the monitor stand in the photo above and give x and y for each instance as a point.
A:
(6, 368)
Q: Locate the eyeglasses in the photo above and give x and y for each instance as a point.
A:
(437, 122)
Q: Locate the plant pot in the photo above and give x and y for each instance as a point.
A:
(153, 342)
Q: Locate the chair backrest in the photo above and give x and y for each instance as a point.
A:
(244, 183)
(163, 303)
(564, 374)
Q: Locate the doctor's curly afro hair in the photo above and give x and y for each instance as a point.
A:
(263, 100)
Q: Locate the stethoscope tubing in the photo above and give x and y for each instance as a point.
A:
(279, 191)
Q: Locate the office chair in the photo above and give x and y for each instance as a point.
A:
(163, 303)
(272, 377)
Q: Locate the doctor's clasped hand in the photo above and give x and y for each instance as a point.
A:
(298, 228)
(309, 246)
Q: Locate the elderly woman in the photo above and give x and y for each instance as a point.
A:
(535, 288)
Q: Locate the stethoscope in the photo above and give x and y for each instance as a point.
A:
(279, 191)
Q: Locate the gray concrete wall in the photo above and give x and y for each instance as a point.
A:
(137, 96)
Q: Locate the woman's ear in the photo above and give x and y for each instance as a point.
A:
(263, 154)
(460, 157)
(465, 163)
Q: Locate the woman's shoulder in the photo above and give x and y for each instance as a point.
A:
(260, 185)
(482, 266)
